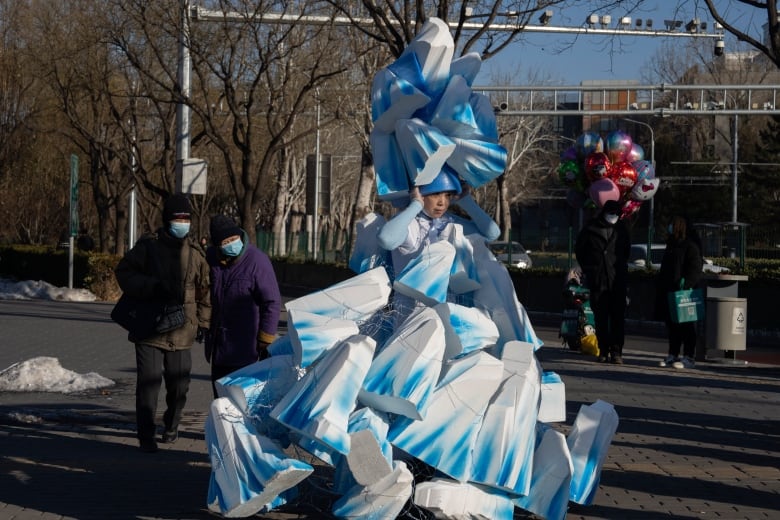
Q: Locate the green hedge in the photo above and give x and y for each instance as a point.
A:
(95, 271)
(91, 271)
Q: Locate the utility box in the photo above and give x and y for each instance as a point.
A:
(726, 323)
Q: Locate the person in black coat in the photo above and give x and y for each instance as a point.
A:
(682, 262)
(602, 250)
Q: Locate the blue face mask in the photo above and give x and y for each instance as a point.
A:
(179, 229)
(232, 248)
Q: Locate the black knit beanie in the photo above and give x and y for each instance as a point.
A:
(222, 227)
(176, 207)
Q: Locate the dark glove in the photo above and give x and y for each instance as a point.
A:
(200, 337)
(262, 350)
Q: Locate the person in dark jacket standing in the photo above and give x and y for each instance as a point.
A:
(245, 297)
(602, 250)
(682, 262)
(166, 266)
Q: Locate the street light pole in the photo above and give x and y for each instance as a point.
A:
(651, 216)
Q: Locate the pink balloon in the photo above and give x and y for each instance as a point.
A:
(602, 190)
(637, 153)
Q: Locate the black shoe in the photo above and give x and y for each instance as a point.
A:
(603, 359)
(148, 445)
(617, 359)
(169, 437)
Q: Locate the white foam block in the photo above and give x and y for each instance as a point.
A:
(257, 388)
(368, 254)
(312, 335)
(281, 346)
(426, 277)
(453, 113)
(588, 442)
(463, 275)
(392, 181)
(552, 471)
(552, 407)
(352, 299)
(467, 66)
(433, 46)
(248, 470)
(393, 98)
(466, 329)
(319, 405)
(477, 162)
(404, 374)
(368, 420)
(445, 438)
(379, 501)
(497, 294)
(424, 149)
(365, 459)
(503, 452)
(457, 500)
(485, 115)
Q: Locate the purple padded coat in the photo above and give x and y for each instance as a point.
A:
(245, 303)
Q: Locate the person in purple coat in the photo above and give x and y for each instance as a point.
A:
(245, 300)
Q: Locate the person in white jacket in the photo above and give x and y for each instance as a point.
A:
(427, 220)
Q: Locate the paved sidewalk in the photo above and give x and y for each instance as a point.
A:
(701, 443)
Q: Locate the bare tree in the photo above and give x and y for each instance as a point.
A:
(252, 82)
(750, 20)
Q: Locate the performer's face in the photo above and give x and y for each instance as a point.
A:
(436, 204)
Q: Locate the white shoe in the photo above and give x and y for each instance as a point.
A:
(685, 362)
(668, 360)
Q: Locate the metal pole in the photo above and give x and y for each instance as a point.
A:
(132, 206)
(182, 109)
(734, 165)
(317, 184)
(131, 224)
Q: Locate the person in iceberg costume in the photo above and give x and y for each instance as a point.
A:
(427, 220)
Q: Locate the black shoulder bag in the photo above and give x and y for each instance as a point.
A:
(145, 318)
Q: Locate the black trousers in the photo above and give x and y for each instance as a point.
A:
(154, 365)
(609, 313)
(682, 334)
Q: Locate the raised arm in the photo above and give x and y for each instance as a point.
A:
(395, 231)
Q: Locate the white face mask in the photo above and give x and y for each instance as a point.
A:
(611, 218)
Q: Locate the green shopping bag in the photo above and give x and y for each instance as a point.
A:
(686, 305)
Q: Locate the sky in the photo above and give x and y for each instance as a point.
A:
(568, 59)
(45, 374)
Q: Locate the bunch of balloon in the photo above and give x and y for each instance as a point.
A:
(597, 170)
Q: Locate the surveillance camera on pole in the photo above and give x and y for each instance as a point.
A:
(720, 47)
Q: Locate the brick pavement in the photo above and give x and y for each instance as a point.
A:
(701, 443)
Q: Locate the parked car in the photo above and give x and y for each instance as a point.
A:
(637, 259)
(512, 254)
